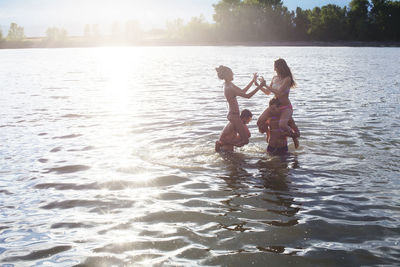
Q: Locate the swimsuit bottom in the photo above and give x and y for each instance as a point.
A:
(277, 151)
(285, 107)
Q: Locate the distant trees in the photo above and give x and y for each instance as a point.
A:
(15, 33)
(269, 20)
(133, 31)
(130, 32)
(244, 21)
(328, 23)
(301, 23)
(54, 34)
(95, 32)
(385, 19)
(92, 32)
(258, 20)
(175, 29)
(87, 32)
(394, 20)
(253, 20)
(359, 20)
(115, 31)
(196, 30)
(227, 18)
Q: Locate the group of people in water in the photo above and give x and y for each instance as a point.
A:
(276, 120)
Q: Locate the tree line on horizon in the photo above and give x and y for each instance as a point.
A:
(91, 35)
(270, 20)
(255, 21)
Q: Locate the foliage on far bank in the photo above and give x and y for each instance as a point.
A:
(14, 38)
(196, 30)
(270, 20)
(15, 33)
(240, 21)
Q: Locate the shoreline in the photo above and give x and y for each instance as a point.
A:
(38, 42)
(328, 43)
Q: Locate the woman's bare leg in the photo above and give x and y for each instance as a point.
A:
(286, 114)
(261, 122)
(241, 129)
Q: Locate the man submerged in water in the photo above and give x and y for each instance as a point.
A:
(230, 136)
(276, 138)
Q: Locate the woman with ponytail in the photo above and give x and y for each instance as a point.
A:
(231, 91)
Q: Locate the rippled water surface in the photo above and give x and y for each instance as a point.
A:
(107, 158)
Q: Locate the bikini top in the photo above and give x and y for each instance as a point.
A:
(276, 84)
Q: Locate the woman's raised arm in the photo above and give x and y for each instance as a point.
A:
(238, 92)
(264, 89)
(255, 75)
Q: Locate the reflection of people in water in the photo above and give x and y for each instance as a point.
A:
(264, 184)
(276, 138)
(230, 136)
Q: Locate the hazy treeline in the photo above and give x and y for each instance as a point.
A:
(129, 32)
(240, 21)
(16, 36)
(270, 20)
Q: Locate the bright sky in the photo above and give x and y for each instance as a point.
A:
(37, 15)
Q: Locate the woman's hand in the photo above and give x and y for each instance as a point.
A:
(264, 84)
(262, 81)
(254, 80)
(255, 76)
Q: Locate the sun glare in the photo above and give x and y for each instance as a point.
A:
(116, 69)
(105, 12)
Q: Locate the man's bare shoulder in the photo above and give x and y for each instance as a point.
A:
(228, 129)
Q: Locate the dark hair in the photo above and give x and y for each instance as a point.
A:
(222, 71)
(274, 101)
(246, 114)
(283, 70)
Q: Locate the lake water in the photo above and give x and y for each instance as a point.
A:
(107, 158)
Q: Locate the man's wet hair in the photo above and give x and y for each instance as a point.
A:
(274, 101)
(246, 114)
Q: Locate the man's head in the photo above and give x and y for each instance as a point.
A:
(246, 116)
(274, 106)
